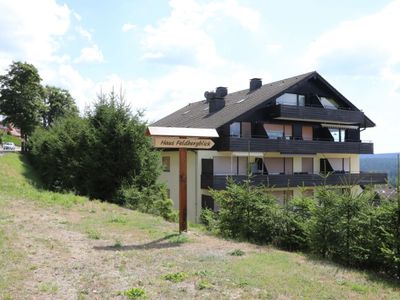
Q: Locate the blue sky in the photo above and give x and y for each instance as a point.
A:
(164, 54)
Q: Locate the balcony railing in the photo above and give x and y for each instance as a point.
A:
(219, 182)
(291, 146)
(313, 113)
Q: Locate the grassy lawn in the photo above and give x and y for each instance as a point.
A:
(61, 246)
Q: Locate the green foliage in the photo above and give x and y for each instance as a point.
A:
(21, 97)
(4, 138)
(296, 224)
(135, 293)
(180, 238)
(323, 232)
(176, 277)
(349, 228)
(236, 252)
(387, 239)
(58, 103)
(203, 284)
(152, 199)
(93, 234)
(97, 154)
(60, 155)
(209, 219)
(247, 212)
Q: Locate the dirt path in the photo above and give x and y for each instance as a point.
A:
(63, 263)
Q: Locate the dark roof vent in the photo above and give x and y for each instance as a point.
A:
(255, 83)
(221, 92)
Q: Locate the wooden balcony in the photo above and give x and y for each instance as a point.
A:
(316, 114)
(219, 182)
(291, 146)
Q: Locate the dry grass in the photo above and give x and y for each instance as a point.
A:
(56, 246)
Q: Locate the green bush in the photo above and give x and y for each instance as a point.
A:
(387, 237)
(210, 219)
(350, 228)
(153, 200)
(247, 212)
(296, 224)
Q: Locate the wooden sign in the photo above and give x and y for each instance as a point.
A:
(182, 139)
(176, 142)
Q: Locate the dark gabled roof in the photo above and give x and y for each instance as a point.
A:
(197, 114)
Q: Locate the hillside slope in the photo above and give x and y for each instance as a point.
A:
(57, 246)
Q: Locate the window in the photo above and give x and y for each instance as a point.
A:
(335, 165)
(279, 165)
(234, 129)
(309, 193)
(246, 129)
(328, 103)
(307, 165)
(224, 165)
(291, 99)
(307, 133)
(274, 131)
(166, 163)
(338, 134)
(258, 166)
(283, 197)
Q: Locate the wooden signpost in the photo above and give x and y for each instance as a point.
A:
(182, 139)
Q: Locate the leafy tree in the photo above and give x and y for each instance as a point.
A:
(58, 103)
(21, 97)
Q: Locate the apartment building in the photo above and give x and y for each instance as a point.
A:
(291, 135)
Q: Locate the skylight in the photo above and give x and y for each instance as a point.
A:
(188, 111)
(241, 100)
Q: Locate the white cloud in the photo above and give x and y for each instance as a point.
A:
(128, 27)
(273, 47)
(90, 55)
(30, 29)
(363, 55)
(181, 38)
(365, 46)
(84, 33)
(82, 89)
(34, 31)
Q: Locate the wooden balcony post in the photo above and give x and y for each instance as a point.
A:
(182, 189)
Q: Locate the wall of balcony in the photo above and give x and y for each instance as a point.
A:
(291, 146)
(291, 112)
(219, 182)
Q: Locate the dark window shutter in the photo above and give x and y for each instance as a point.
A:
(297, 131)
(207, 166)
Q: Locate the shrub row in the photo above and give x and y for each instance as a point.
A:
(352, 229)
